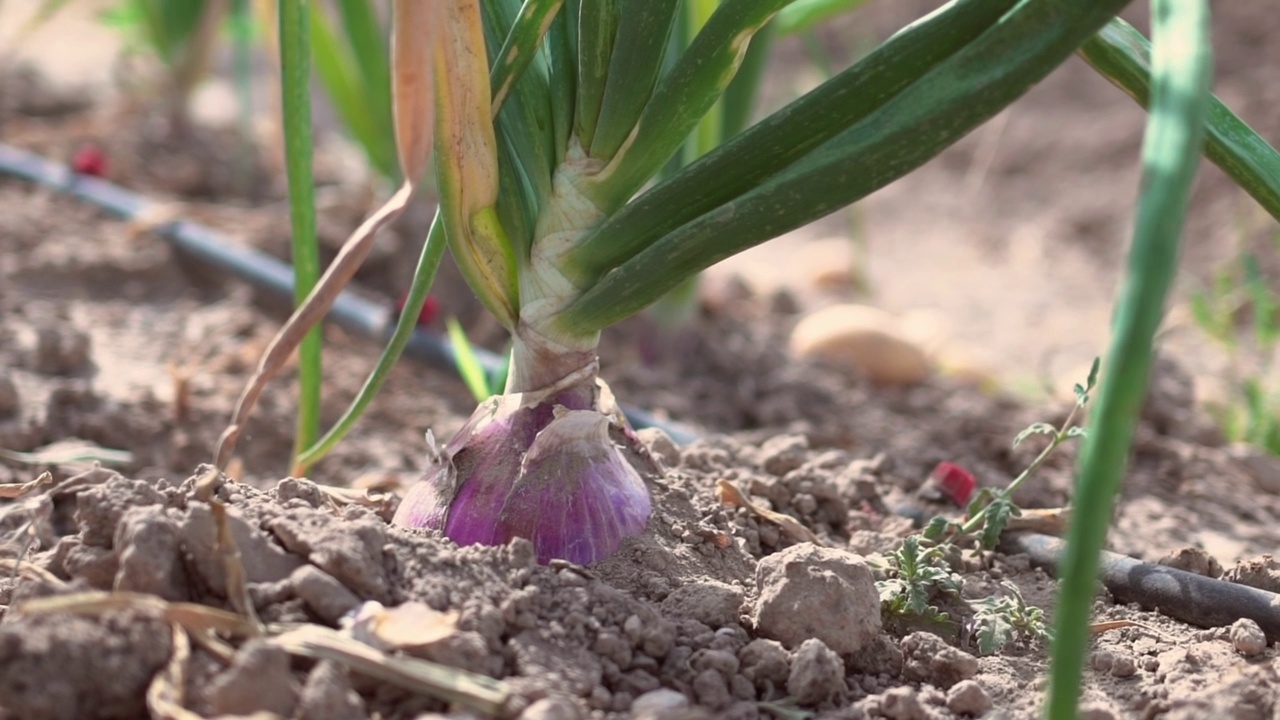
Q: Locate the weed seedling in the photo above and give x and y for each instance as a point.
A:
(920, 572)
(917, 577)
(988, 513)
(1006, 618)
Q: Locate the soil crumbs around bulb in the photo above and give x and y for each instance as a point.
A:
(92, 318)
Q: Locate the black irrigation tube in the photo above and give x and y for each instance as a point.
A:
(1194, 599)
(351, 312)
(1191, 598)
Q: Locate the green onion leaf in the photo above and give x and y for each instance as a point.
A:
(1170, 156)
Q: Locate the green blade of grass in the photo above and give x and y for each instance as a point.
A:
(464, 358)
(354, 99)
(243, 34)
(423, 277)
(168, 26)
(1170, 156)
(295, 80)
(766, 148)
(597, 29)
(634, 67)
(681, 99)
(1123, 56)
(368, 43)
(417, 34)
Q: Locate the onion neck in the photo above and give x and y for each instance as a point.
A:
(543, 367)
(547, 357)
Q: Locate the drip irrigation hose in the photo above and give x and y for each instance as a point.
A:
(355, 314)
(1185, 596)
(1188, 597)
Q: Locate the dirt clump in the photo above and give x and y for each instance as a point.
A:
(927, 658)
(1262, 572)
(817, 674)
(69, 668)
(808, 592)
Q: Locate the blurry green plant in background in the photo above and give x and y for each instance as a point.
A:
(183, 37)
(1239, 312)
(352, 64)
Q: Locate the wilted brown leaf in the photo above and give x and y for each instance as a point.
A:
(731, 494)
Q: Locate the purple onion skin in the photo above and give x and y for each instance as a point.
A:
(540, 471)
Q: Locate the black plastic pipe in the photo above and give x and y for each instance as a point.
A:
(1194, 599)
(351, 312)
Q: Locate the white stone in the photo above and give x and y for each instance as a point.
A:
(861, 340)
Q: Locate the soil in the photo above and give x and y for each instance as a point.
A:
(108, 337)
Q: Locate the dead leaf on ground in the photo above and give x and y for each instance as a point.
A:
(14, 567)
(477, 692)
(411, 627)
(731, 494)
(1046, 521)
(191, 616)
(384, 481)
(12, 491)
(381, 502)
(1108, 625)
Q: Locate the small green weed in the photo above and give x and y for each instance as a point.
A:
(1006, 618)
(920, 572)
(988, 513)
(916, 577)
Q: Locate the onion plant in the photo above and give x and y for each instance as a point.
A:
(553, 123)
(295, 96)
(352, 64)
(181, 35)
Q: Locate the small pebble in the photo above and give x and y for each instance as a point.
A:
(1096, 712)
(817, 673)
(1123, 666)
(781, 454)
(322, 593)
(1101, 660)
(552, 708)
(61, 351)
(661, 445)
(1248, 638)
(861, 340)
(711, 689)
(657, 702)
(807, 592)
(764, 662)
(928, 658)
(327, 695)
(259, 679)
(967, 697)
(1193, 560)
(902, 703)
